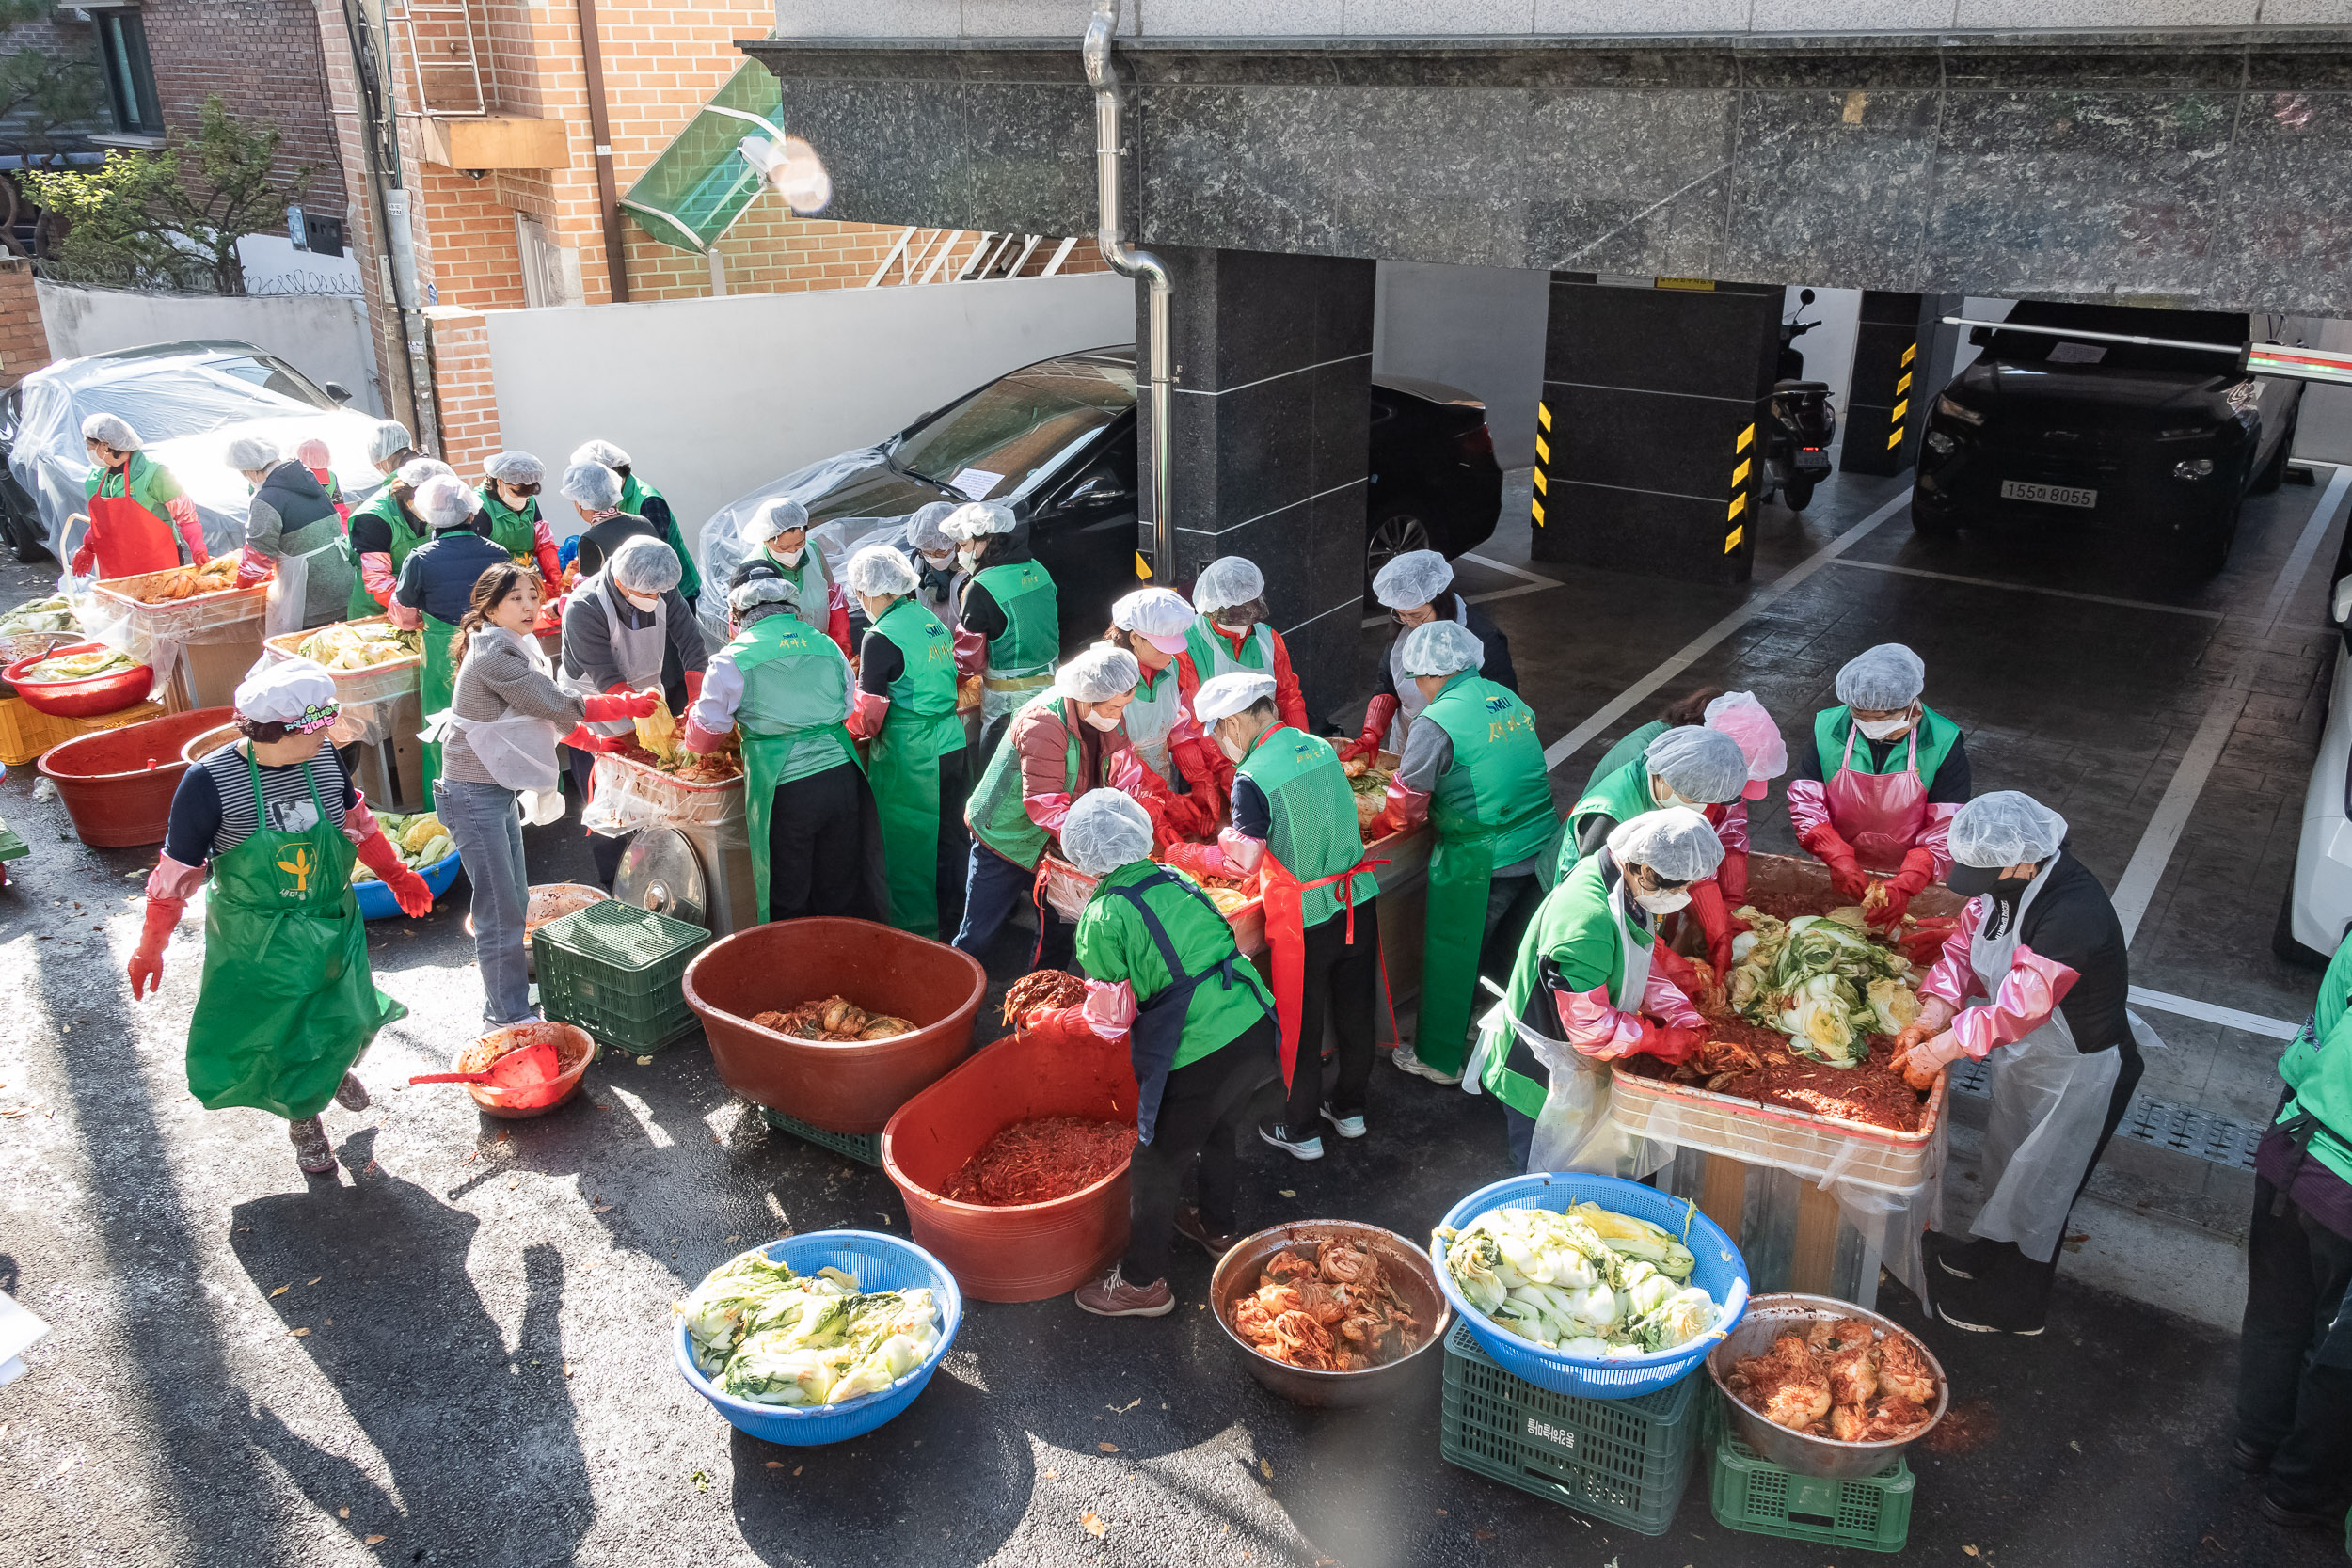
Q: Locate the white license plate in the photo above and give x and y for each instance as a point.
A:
(2048, 494)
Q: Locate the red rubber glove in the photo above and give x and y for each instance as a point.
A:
(1201, 860)
(1823, 842)
(1676, 968)
(1896, 893)
(378, 854)
(1707, 903)
(1377, 720)
(253, 566)
(693, 685)
(1666, 1042)
(611, 707)
(868, 711)
(147, 962)
(1848, 878)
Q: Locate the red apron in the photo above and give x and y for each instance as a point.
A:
(127, 538)
(1286, 940)
(1878, 813)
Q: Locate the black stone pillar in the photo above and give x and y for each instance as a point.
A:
(1648, 454)
(1271, 412)
(1894, 374)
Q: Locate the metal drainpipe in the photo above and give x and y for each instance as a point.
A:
(600, 145)
(1111, 236)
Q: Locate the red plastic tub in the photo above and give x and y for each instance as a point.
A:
(116, 784)
(574, 1049)
(1029, 1251)
(853, 1087)
(85, 698)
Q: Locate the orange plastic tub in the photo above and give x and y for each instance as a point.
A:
(116, 784)
(1020, 1252)
(851, 1088)
(574, 1048)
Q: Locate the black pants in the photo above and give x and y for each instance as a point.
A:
(2294, 1355)
(1339, 984)
(1511, 903)
(605, 852)
(1201, 1111)
(955, 843)
(824, 848)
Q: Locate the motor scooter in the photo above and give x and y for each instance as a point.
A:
(1796, 446)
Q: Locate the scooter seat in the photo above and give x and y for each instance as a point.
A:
(1800, 385)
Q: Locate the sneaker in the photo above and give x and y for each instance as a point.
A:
(1111, 1296)
(1406, 1062)
(1273, 1131)
(1189, 1225)
(317, 1155)
(351, 1094)
(1347, 1127)
(2288, 1516)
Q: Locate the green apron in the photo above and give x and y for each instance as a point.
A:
(515, 532)
(902, 765)
(1021, 659)
(769, 741)
(1492, 807)
(287, 1002)
(406, 538)
(437, 687)
(1575, 922)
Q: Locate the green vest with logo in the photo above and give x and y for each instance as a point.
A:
(634, 493)
(1031, 640)
(926, 688)
(2317, 1067)
(1498, 783)
(515, 532)
(997, 816)
(406, 538)
(1574, 928)
(1313, 810)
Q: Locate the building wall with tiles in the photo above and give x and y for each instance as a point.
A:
(265, 60)
(24, 341)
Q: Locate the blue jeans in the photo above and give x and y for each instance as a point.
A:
(489, 834)
(993, 888)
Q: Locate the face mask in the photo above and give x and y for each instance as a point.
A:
(643, 601)
(2006, 888)
(940, 562)
(970, 556)
(1662, 903)
(790, 557)
(1104, 721)
(1232, 749)
(1883, 729)
(1669, 798)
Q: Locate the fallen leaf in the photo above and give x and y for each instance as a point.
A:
(374, 1540)
(601, 1209)
(302, 1333)
(734, 1238)
(1481, 1535)
(644, 1061)
(1441, 1513)
(342, 1513)
(701, 1480)
(1107, 1448)
(1094, 1527)
(1287, 1193)
(2072, 1444)
(1122, 1409)
(1265, 1468)
(1052, 1474)
(314, 1280)
(280, 1291)
(776, 1465)
(567, 1368)
(796, 1469)
(1970, 1550)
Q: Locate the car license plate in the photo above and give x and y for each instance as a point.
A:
(2048, 494)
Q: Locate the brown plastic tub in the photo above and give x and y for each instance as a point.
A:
(116, 784)
(851, 1088)
(1013, 1252)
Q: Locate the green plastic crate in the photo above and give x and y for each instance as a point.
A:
(1625, 1461)
(865, 1147)
(1752, 1494)
(616, 971)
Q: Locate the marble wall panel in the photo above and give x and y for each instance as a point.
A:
(1832, 185)
(2286, 218)
(1629, 181)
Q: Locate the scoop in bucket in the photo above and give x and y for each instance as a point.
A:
(528, 1067)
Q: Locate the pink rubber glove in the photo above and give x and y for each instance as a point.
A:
(1201, 860)
(1048, 812)
(1110, 1008)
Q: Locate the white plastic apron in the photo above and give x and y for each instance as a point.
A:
(290, 591)
(636, 651)
(517, 751)
(1410, 701)
(2049, 1102)
(1150, 716)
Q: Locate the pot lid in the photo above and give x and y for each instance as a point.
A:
(660, 872)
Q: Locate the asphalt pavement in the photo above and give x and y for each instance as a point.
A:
(458, 1351)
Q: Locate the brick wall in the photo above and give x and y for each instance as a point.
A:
(461, 374)
(24, 341)
(265, 61)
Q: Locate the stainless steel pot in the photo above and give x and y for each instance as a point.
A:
(1768, 1317)
(1407, 1266)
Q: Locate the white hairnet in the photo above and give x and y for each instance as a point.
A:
(387, 442)
(2005, 828)
(923, 530)
(414, 472)
(1098, 674)
(445, 500)
(592, 485)
(977, 520)
(1888, 676)
(1227, 581)
(880, 570)
(1412, 579)
(644, 565)
(1703, 766)
(1440, 648)
(778, 517)
(602, 453)
(763, 588)
(516, 468)
(1229, 693)
(1738, 715)
(296, 692)
(247, 454)
(1105, 831)
(114, 430)
(1153, 612)
(1675, 843)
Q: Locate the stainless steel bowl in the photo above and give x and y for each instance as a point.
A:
(1768, 1318)
(1406, 1265)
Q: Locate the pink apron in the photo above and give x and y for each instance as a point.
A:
(1878, 813)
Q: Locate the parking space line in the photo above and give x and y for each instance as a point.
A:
(1515, 571)
(2032, 588)
(1764, 598)
(2229, 1018)
(2137, 885)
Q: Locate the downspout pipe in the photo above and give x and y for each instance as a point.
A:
(1111, 235)
(600, 145)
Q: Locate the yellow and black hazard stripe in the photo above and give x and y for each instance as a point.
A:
(1742, 467)
(1543, 460)
(1895, 416)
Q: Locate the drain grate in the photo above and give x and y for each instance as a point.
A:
(2222, 1141)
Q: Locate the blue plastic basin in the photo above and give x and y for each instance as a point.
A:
(376, 898)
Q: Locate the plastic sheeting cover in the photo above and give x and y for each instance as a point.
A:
(723, 548)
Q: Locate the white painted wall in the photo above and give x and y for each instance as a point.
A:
(713, 397)
(323, 336)
(1479, 329)
(1828, 349)
(272, 266)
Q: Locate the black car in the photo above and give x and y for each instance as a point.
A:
(1057, 440)
(2146, 439)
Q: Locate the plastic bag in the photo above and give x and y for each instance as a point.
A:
(1574, 1130)
(721, 547)
(628, 799)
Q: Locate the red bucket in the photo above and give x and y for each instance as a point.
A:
(84, 699)
(116, 784)
(1021, 1252)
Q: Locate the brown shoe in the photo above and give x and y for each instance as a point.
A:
(1189, 1227)
(311, 1148)
(1113, 1297)
(351, 1094)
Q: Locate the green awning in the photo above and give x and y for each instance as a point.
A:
(701, 184)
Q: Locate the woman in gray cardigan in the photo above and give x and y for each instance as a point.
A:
(505, 717)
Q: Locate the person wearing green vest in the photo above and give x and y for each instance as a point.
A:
(777, 535)
(1009, 630)
(2294, 1348)
(139, 517)
(1230, 632)
(1151, 624)
(434, 590)
(287, 1002)
(816, 841)
(2041, 941)
(1164, 976)
(906, 712)
(292, 539)
(1688, 765)
(1877, 788)
(1295, 826)
(385, 533)
(1587, 988)
(509, 518)
(641, 499)
(390, 447)
(1477, 773)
